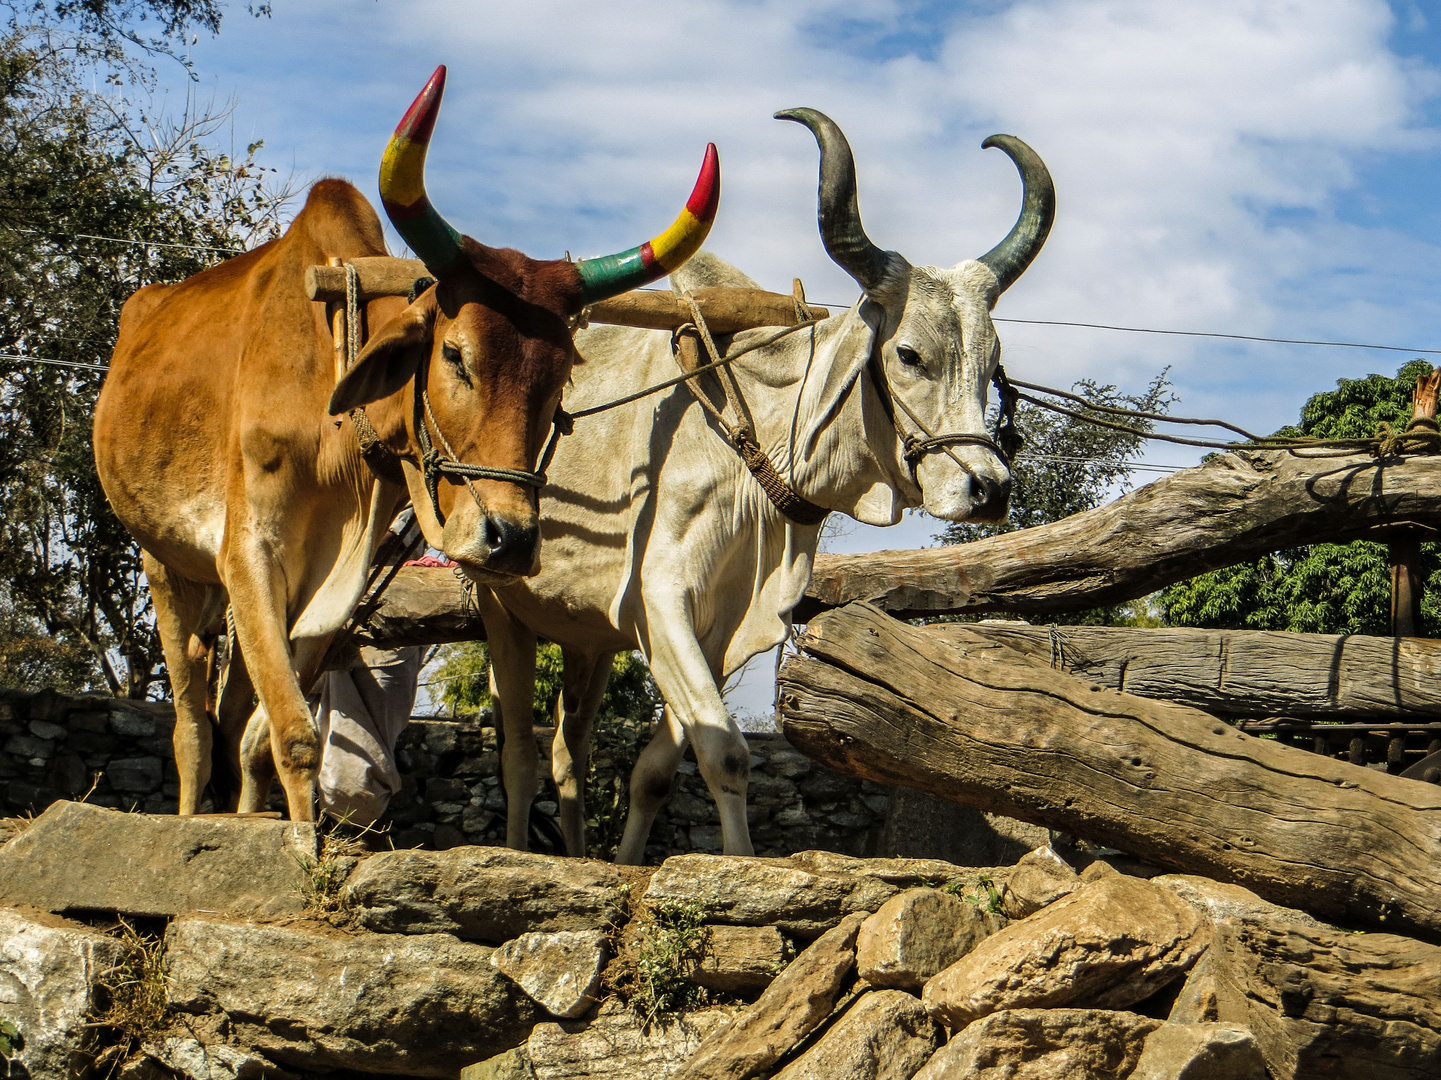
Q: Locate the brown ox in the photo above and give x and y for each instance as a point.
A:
(217, 442)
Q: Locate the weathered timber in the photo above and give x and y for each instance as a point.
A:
(423, 605)
(379, 275)
(874, 697)
(1236, 672)
(726, 310)
(1231, 509)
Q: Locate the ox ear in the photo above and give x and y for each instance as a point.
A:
(389, 358)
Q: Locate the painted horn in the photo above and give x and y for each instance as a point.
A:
(610, 275)
(402, 183)
(840, 216)
(1008, 259)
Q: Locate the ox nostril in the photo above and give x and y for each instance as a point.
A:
(512, 545)
(989, 497)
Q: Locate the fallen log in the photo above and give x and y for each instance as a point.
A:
(1251, 673)
(726, 310)
(873, 697)
(1237, 507)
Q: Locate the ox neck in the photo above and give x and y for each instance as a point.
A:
(823, 422)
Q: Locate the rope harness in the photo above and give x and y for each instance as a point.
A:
(385, 463)
(784, 497)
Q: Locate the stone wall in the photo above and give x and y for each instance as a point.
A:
(56, 747)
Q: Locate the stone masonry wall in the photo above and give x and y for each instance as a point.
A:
(56, 747)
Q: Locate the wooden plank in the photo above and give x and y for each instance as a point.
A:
(873, 697)
(1236, 672)
(726, 310)
(1232, 509)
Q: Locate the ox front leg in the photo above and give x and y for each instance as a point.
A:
(575, 709)
(512, 691)
(651, 782)
(688, 682)
(258, 600)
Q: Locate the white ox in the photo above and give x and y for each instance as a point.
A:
(655, 535)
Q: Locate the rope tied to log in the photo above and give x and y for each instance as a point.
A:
(740, 434)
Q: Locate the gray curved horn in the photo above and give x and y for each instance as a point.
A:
(1008, 259)
(840, 217)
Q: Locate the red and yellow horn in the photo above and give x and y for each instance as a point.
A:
(611, 274)
(402, 183)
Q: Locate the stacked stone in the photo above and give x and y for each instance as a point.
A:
(54, 746)
(451, 795)
(495, 965)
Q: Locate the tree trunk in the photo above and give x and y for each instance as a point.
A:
(1250, 673)
(1235, 508)
(874, 697)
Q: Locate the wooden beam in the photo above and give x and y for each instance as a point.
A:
(1237, 507)
(874, 697)
(726, 310)
(1249, 673)
(379, 275)
(424, 605)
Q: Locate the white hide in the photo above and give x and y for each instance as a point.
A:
(655, 536)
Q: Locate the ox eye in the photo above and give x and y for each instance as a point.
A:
(908, 356)
(452, 355)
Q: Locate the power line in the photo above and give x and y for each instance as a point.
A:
(55, 363)
(122, 240)
(1186, 333)
(1230, 337)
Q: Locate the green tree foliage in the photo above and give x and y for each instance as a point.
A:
(622, 726)
(1067, 465)
(98, 196)
(1320, 588)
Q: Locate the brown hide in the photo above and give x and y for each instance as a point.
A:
(216, 447)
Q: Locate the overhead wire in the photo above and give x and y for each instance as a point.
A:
(47, 234)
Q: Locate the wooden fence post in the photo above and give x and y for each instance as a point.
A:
(1404, 549)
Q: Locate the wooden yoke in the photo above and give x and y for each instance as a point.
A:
(726, 310)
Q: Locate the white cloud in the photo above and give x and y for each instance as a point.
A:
(1199, 152)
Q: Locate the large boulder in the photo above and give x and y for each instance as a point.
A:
(790, 1009)
(740, 959)
(51, 972)
(885, 1035)
(485, 894)
(560, 971)
(320, 999)
(1323, 1002)
(195, 1060)
(1041, 877)
(804, 894)
(1044, 1044)
(1113, 942)
(917, 934)
(76, 857)
(1219, 900)
(613, 1045)
(1200, 1052)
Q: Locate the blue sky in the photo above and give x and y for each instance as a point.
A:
(1262, 167)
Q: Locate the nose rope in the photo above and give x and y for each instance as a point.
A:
(1004, 445)
(435, 465)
